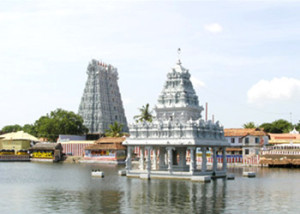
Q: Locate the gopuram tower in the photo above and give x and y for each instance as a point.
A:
(101, 103)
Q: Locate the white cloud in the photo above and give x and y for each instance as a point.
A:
(213, 28)
(283, 88)
(197, 83)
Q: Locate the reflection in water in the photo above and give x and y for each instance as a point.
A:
(69, 188)
(81, 202)
(177, 196)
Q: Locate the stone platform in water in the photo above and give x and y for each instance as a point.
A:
(249, 174)
(198, 176)
(97, 173)
(204, 179)
(230, 177)
(122, 172)
(145, 176)
(14, 158)
(103, 161)
(42, 160)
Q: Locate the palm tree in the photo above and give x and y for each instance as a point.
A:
(115, 130)
(145, 115)
(249, 125)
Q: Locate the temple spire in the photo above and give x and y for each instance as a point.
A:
(179, 52)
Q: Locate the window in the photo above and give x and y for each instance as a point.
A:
(247, 140)
(232, 140)
(240, 140)
(257, 140)
(246, 151)
(116, 117)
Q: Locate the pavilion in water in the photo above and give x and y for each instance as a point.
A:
(175, 133)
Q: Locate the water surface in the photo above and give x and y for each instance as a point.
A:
(69, 188)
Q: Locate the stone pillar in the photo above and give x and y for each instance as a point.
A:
(182, 157)
(148, 160)
(128, 159)
(154, 165)
(162, 153)
(215, 160)
(204, 159)
(192, 161)
(224, 166)
(142, 152)
(170, 158)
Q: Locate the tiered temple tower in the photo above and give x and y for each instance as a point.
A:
(175, 133)
(101, 103)
(178, 100)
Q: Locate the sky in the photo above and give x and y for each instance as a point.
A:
(243, 56)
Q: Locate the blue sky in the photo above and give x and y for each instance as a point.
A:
(243, 55)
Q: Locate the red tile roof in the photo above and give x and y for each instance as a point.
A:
(111, 140)
(284, 136)
(243, 132)
(104, 143)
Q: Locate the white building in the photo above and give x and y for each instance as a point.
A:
(176, 131)
(246, 142)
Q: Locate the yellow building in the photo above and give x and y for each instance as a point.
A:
(16, 141)
(284, 138)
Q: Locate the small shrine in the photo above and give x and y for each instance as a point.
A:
(46, 152)
(168, 144)
(106, 150)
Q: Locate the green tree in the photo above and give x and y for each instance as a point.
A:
(11, 128)
(249, 125)
(267, 127)
(145, 114)
(282, 126)
(115, 130)
(30, 129)
(59, 122)
(277, 126)
(297, 126)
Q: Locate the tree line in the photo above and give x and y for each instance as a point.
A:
(51, 125)
(277, 126)
(61, 121)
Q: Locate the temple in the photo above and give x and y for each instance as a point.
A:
(101, 103)
(167, 145)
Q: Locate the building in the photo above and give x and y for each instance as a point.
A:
(65, 138)
(246, 143)
(74, 145)
(235, 150)
(285, 138)
(250, 141)
(101, 103)
(176, 132)
(281, 155)
(17, 141)
(106, 150)
(49, 152)
(283, 150)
